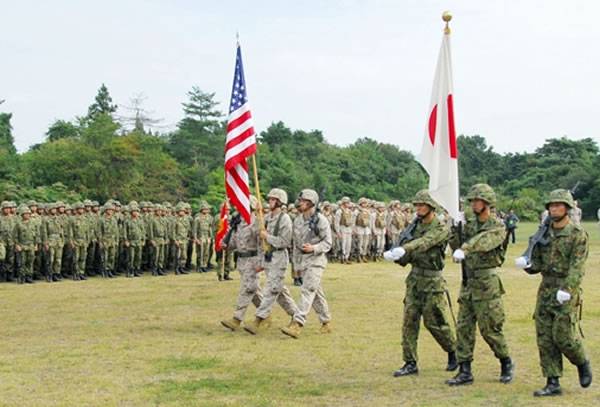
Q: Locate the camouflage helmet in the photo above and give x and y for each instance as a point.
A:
(560, 195)
(134, 207)
(253, 202)
(107, 206)
(362, 200)
(167, 204)
(291, 206)
(32, 203)
(68, 207)
(95, 203)
(423, 197)
(87, 202)
(77, 205)
(132, 203)
(279, 194)
(59, 204)
(345, 200)
(204, 205)
(483, 192)
(310, 195)
(5, 204)
(23, 209)
(180, 207)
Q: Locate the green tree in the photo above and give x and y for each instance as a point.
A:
(61, 129)
(103, 104)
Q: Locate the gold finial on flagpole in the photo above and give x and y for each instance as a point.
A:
(447, 16)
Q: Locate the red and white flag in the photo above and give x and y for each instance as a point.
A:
(240, 144)
(439, 155)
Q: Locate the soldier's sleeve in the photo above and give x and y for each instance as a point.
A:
(284, 239)
(337, 216)
(325, 233)
(433, 237)
(454, 238)
(44, 232)
(485, 240)
(577, 259)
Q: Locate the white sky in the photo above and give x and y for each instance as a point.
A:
(524, 70)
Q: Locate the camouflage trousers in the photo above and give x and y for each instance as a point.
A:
(79, 258)
(182, 251)
(557, 332)
(488, 314)
(55, 254)
(276, 289)
(312, 295)
(135, 255)
(159, 254)
(346, 243)
(229, 263)
(109, 256)
(249, 288)
(363, 244)
(379, 243)
(203, 251)
(27, 260)
(426, 297)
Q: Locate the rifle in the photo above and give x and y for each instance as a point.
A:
(407, 233)
(233, 225)
(539, 238)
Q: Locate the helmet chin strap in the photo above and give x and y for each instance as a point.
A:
(558, 219)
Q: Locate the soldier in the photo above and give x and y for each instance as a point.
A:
(480, 298)
(379, 230)
(158, 237)
(312, 241)
(278, 236)
(53, 239)
(79, 238)
(344, 225)
(202, 234)
(134, 234)
(224, 257)
(575, 213)
(108, 240)
(181, 233)
(326, 210)
(7, 226)
(426, 289)
(561, 262)
(396, 222)
(363, 229)
(27, 239)
(245, 239)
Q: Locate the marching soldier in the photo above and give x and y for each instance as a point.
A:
(480, 298)
(312, 241)
(426, 288)
(278, 235)
(561, 262)
(245, 239)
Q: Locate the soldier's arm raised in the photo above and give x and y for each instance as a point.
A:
(433, 237)
(486, 240)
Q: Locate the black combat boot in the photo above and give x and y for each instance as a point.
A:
(49, 277)
(409, 368)
(29, 280)
(10, 277)
(507, 370)
(585, 374)
(83, 277)
(227, 278)
(452, 362)
(463, 377)
(552, 388)
(137, 273)
(55, 277)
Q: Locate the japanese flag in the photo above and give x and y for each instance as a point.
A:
(439, 155)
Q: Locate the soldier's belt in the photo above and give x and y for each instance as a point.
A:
(481, 273)
(252, 253)
(425, 272)
(552, 280)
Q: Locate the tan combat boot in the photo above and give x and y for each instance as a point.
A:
(258, 324)
(233, 324)
(325, 328)
(293, 329)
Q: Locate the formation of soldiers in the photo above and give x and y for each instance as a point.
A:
(56, 240)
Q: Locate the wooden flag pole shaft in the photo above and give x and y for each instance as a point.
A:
(259, 215)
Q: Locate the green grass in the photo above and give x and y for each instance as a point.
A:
(158, 341)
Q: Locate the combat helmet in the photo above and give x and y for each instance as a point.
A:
(424, 197)
(560, 195)
(279, 194)
(483, 192)
(310, 195)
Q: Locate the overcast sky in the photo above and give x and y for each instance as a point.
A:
(524, 70)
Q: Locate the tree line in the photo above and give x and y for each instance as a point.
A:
(101, 155)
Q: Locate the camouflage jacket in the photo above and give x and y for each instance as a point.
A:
(563, 258)
(53, 233)
(27, 234)
(202, 227)
(7, 228)
(108, 231)
(318, 235)
(78, 230)
(482, 243)
(135, 231)
(426, 250)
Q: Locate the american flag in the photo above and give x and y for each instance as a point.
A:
(240, 144)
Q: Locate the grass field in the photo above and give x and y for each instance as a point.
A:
(158, 341)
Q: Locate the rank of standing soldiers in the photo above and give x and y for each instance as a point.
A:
(52, 241)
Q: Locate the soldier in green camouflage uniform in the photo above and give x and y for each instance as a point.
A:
(426, 289)
(480, 300)
(53, 239)
(561, 262)
(181, 232)
(202, 234)
(158, 237)
(27, 240)
(7, 225)
(135, 236)
(79, 238)
(108, 240)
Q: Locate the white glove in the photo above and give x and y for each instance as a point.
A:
(388, 256)
(398, 252)
(522, 262)
(458, 255)
(562, 296)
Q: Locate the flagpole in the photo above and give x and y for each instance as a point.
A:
(259, 215)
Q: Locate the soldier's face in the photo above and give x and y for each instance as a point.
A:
(304, 205)
(135, 214)
(80, 211)
(26, 216)
(478, 206)
(6, 211)
(273, 202)
(108, 213)
(422, 210)
(33, 209)
(53, 211)
(558, 210)
(95, 209)
(61, 210)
